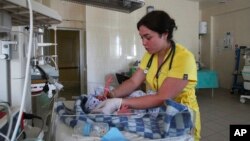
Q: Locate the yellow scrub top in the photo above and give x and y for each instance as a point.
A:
(183, 67)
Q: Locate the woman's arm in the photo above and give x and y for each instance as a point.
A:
(170, 88)
(128, 86)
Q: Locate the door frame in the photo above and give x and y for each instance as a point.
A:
(83, 59)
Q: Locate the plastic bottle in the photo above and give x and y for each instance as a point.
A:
(97, 129)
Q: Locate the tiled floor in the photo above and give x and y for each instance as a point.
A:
(219, 111)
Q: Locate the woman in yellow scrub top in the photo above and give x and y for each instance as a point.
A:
(168, 69)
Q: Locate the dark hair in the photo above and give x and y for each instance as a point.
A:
(160, 22)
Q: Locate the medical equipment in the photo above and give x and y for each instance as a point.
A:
(44, 67)
(15, 15)
(126, 6)
(149, 64)
(246, 75)
(172, 53)
(13, 32)
(239, 86)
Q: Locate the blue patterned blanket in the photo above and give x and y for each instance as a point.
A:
(173, 120)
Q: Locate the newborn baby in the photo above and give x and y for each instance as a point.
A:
(90, 102)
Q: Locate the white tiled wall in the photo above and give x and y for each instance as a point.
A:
(112, 38)
(113, 42)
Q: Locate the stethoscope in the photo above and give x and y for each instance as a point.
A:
(172, 53)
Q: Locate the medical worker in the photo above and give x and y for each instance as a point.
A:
(168, 69)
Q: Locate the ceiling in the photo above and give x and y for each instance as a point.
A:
(210, 3)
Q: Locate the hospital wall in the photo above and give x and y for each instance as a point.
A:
(232, 17)
(113, 42)
(73, 14)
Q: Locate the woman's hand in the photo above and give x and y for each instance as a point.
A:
(105, 96)
(101, 97)
(106, 93)
(108, 106)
